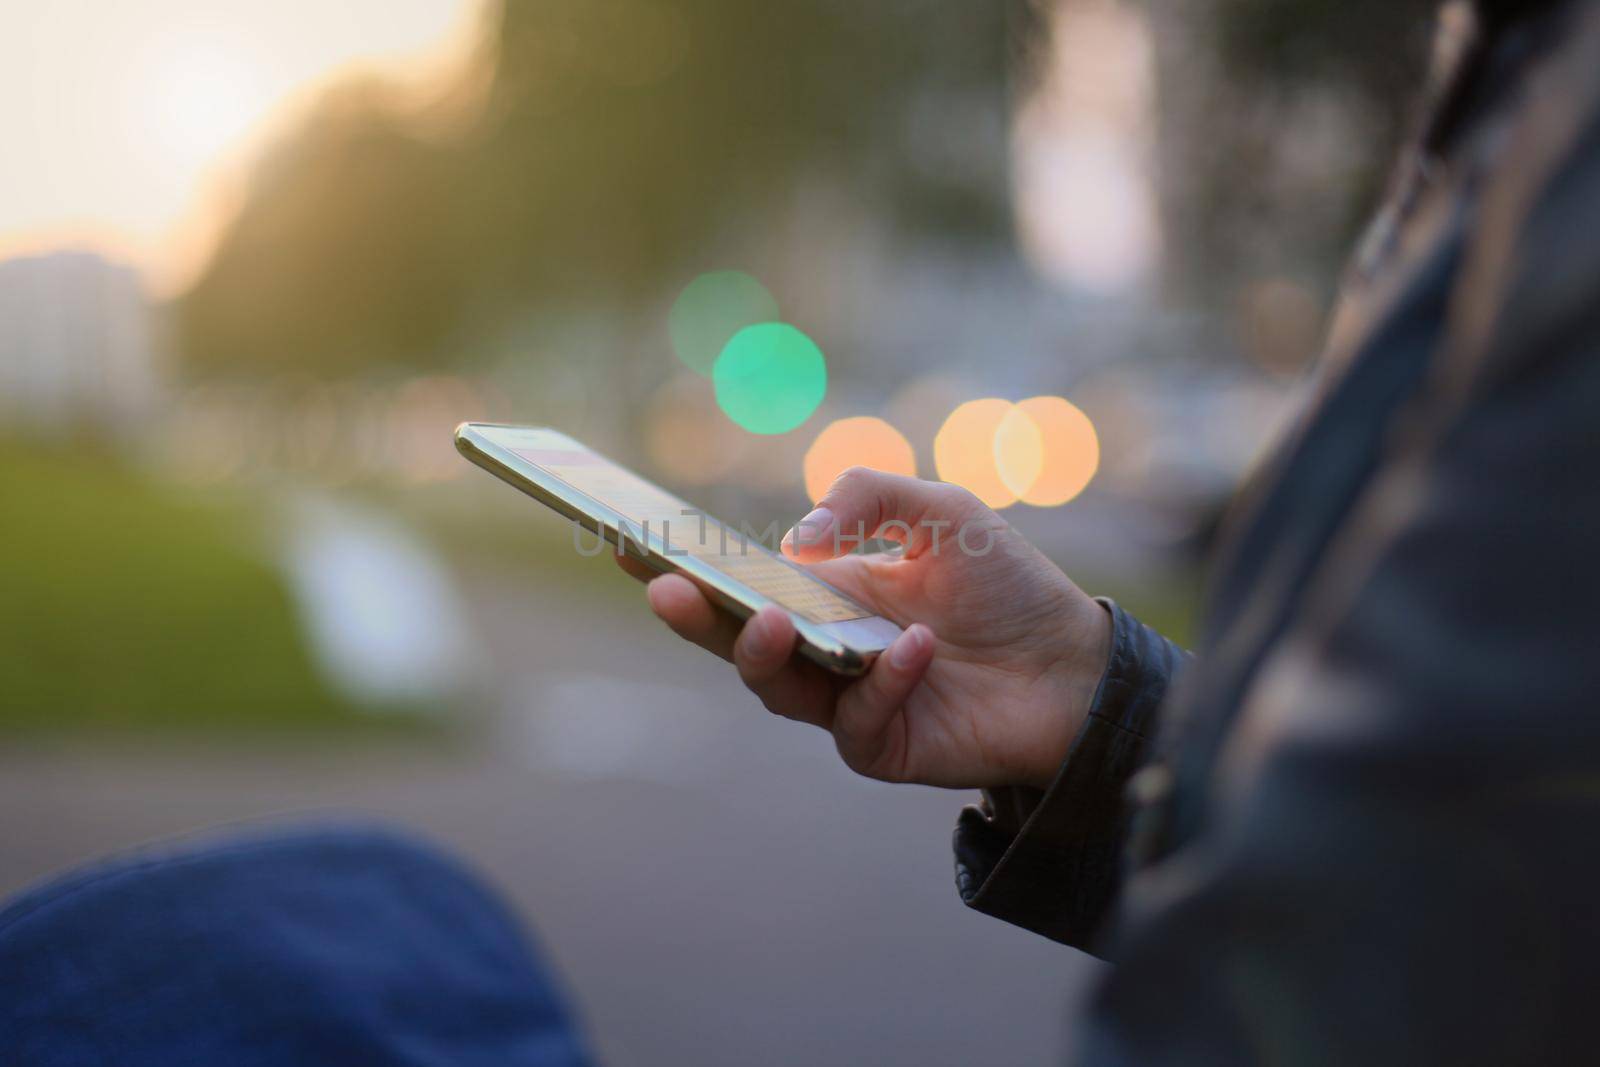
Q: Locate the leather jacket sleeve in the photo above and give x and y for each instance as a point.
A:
(1050, 861)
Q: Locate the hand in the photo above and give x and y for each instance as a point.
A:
(993, 675)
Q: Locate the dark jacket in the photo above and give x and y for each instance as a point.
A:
(1365, 827)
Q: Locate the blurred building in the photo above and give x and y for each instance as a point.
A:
(78, 342)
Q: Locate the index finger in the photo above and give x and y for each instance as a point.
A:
(683, 607)
(637, 568)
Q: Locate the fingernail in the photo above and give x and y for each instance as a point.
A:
(756, 638)
(809, 530)
(906, 648)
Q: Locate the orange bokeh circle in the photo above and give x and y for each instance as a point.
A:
(862, 441)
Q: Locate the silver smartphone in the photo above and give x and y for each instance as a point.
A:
(734, 568)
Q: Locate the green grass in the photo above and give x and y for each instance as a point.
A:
(126, 606)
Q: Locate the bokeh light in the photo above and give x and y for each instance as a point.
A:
(710, 310)
(1018, 451)
(1042, 451)
(770, 378)
(918, 408)
(862, 441)
(1069, 452)
(685, 438)
(964, 450)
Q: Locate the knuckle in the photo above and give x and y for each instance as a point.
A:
(961, 506)
(852, 480)
(958, 499)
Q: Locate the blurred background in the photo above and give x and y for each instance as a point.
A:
(257, 260)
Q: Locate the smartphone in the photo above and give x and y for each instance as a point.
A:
(732, 566)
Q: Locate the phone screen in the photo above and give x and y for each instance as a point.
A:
(684, 530)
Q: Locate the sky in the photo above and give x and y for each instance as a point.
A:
(123, 126)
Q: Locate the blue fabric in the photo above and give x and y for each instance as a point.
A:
(328, 945)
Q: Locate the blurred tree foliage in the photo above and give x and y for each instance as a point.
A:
(607, 145)
(1281, 119)
(599, 153)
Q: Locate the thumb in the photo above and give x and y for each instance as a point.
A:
(863, 503)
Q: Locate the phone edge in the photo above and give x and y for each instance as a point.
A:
(840, 658)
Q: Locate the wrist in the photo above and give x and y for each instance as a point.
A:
(1076, 677)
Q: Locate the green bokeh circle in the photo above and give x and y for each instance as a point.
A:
(710, 310)
(770, 378)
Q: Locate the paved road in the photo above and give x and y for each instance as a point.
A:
(713, 886)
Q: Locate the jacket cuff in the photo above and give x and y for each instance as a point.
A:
(1051, 861)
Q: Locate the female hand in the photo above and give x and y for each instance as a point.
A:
(999, 661)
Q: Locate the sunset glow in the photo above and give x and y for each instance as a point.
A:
(125, 126)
